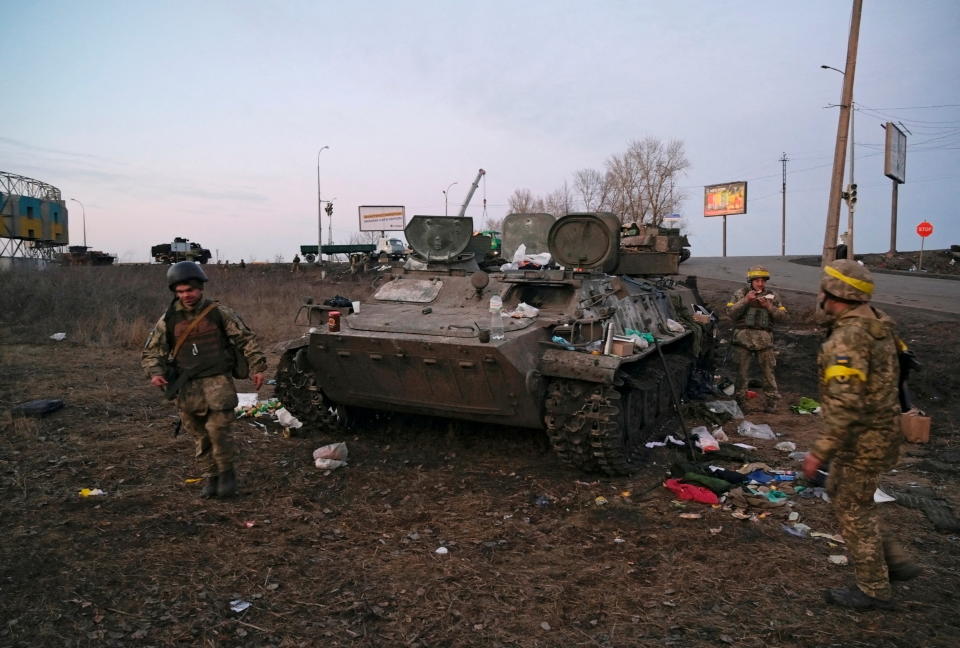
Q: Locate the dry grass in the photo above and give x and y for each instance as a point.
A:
(117, 306)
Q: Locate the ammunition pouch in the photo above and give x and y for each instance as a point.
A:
(756, 318)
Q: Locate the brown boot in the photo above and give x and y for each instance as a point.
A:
(227, 486)
(854, 598)
(209, 487)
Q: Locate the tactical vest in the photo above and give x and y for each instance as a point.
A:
(756, 317)
(206, 351)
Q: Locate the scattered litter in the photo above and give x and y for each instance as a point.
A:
(523, 311)
(838, 559)
(625, 493)
(556, 339)
(59, 337)
(249, 524)
(659, 444)
(786, 446)
(880, 497)
(239, 605)
(674, 326)
(794, 516)
(265, 408)
(756, 431)
(752, 394)
(331, 456)
(545, 626)
(716, 530)
(272, 381)
(828, 536)
(691, 492)
(600, 500)
(798, 456)
(745, 446)
(795, 530)
(704, 439)
(543, 501)
(91, 492)
(806, 406)
(37, 408)
(441, 551)
(690, 516)
(246, 399)
(725, 407)
(287, 419)
(618, 540)
(192, 480)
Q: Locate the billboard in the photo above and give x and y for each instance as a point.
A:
(386, 218)
(895, 155)
(725, 199)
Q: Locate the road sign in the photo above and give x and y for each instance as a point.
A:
(924, 229)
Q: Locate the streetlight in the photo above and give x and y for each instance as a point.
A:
(319, 210)
(850, 194)
(445, 196)
(84, 210)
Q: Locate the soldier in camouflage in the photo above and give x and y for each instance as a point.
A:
(754, 309)
(859, 370)
(203, 363)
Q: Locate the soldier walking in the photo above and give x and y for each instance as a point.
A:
(296, 264)
(192, 353)
(859, 372)
(753, 310)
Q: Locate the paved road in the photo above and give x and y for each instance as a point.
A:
(916, 291)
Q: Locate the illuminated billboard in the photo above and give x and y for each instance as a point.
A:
(895, 155)
(382, 218)
(725, 199)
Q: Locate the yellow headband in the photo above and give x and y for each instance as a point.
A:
(859, 284)
(758, 274)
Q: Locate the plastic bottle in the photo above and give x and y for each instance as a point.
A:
(496, 318)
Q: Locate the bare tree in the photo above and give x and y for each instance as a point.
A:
(559, 202)
(657, 164)
(522, 201)
(591, 185)
(493, 225)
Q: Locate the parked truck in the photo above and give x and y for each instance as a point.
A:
(180, 250)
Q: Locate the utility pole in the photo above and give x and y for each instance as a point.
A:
(851, 196)
(783, 208)
(839, 151)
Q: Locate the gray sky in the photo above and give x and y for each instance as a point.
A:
(204, 119)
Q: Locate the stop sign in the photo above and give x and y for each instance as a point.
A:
(924, 229)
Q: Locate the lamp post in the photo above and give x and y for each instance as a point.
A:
(319, 210)
(849, 195)
(84, 211)
(445, 197)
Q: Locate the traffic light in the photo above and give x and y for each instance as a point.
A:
(853, 193)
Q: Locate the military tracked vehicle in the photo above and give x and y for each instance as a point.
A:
(421, 344)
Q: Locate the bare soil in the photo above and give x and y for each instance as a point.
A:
(348, 557)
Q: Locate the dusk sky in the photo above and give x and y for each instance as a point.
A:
(204, 119)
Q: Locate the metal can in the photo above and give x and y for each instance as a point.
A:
(333, 321)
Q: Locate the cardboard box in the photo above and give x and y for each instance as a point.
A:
(621, 346)
(915, 428)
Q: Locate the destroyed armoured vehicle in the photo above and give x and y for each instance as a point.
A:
(575, 359)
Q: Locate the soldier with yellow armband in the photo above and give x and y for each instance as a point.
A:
(754, 309)
(859, 371)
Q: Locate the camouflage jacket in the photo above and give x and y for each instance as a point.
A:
(156, 352)
(859, 372)
(753, 325)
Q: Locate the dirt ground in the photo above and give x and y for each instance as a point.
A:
(348, 557)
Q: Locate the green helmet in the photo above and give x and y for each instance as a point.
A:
(183, 272)
(757, 272)
(847, 279)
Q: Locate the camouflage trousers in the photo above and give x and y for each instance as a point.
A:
(871, 549)
(206, 410)
(767, 360)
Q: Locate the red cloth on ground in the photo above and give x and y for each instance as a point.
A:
(692, 492)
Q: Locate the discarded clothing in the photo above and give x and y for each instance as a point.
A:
(717, 485)
(806, 406)
(692, 492)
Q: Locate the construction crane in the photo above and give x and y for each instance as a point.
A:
(473, 187)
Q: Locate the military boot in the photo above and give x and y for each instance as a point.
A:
(853, 597)
(209, 487)
(227, 486)
(903, 571)
(772, 404)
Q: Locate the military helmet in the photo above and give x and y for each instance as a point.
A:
(757, 272)
(183, 272)
(847, 279)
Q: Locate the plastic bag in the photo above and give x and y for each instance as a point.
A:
(705, 441)
(761, 431)
(520, 253)
(726, 407)
(330, 456)
(524, 311)
(287, 419)
(674, 326)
